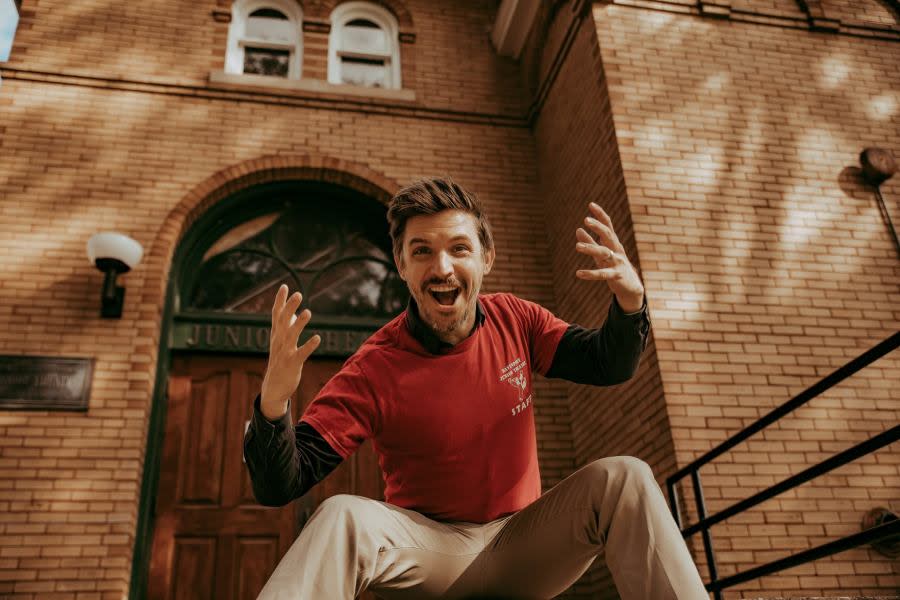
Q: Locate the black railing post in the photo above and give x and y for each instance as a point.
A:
(673, 502)
(707, 534)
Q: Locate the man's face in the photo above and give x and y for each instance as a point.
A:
(443, 263)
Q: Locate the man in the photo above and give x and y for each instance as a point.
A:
(444, 391)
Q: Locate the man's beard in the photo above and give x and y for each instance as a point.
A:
(448, 327)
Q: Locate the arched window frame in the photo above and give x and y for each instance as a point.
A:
(237, 38)
(350, 11)
(276, 200)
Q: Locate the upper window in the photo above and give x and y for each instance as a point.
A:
(364, 46)
(264, 38)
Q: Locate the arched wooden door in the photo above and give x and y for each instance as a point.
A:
(211, 539)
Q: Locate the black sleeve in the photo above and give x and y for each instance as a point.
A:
(285, 461)
(604, 356)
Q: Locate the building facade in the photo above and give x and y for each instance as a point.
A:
(252, 143)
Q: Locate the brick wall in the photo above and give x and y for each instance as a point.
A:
(767, 263)
(176, 43)
(578, 162)
(108, 122)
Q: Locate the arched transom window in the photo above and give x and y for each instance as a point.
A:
(264, 38)
(334, 248)
(364, 48)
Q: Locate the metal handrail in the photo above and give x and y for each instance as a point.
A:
(881, 440)
(859, 538)
(800, 399)
(705, 522)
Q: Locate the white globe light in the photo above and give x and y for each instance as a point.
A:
(110, 244)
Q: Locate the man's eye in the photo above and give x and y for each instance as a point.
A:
(420, 250)
(461, 249)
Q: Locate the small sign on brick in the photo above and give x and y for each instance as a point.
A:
(45, 383)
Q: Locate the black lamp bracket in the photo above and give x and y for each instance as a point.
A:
(113, 296)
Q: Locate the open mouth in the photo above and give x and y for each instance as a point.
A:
(444, 296)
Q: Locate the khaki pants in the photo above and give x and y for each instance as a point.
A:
(352, 544)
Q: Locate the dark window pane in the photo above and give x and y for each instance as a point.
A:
(356, 244)
(363, 23)
(265, 61)
(268, 12)
(359, 60)
(358, 288)
(307, 237)
(249, 235)
(395, 296)
(238, 281)
(336, 249)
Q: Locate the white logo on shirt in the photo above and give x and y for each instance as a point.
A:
(516, 374)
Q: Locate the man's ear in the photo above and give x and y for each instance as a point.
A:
(489, 257)
(401, 267)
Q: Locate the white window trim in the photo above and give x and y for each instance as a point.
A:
(308, 88)
(349, 11)
(240, 13)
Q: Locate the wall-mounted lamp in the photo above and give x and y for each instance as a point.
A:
(889, 546)
(877, 167)
(113, 253)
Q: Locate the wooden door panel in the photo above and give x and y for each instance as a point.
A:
(211, 538)
(255, 560)
(174, 432)
(203, 450)
(228, 521)
(159, 584)
(193, 567)
(246, 497)
(253, 382)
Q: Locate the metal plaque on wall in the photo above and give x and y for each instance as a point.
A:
(45, 383)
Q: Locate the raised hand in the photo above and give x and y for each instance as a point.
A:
(612, 264)
(285, 358)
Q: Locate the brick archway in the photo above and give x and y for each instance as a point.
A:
(233, 179)
(149, 362)
(211, 191)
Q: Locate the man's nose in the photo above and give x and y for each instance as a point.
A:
(443, 265)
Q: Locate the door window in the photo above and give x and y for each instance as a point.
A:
(337, 257)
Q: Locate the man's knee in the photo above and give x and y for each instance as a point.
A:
(627, 470)
(342, 510)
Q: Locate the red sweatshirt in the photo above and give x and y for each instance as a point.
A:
(454, 432)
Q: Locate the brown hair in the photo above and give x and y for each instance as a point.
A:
(430, 196)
